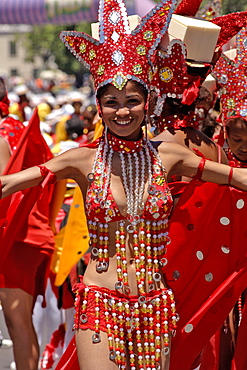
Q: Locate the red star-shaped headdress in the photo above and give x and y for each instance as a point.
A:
(172, 78)
(120, 55)
(231, 75)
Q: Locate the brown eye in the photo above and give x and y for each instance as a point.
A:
(110, 102)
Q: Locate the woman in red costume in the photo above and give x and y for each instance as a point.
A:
(125, 313)
(226, 349)
(24, 273)
(236, 324)
(205, 228)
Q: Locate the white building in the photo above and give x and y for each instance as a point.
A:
(12, 53)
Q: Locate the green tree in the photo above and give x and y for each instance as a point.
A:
(230, 6)
(44, 41)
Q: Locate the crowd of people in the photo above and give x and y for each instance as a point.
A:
(129, 251)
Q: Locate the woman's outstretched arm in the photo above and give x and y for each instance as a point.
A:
(63, 166)
(182, 161)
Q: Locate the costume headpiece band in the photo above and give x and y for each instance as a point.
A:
(120, 55)
(232, 78)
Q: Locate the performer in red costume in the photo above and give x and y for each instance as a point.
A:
(206, 290)
(24, 272)
(125, 312)
(236, 323)
(226, 348)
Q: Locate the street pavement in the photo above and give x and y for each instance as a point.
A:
(6, 354)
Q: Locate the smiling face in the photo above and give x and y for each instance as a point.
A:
(123, 111)
(237, 138)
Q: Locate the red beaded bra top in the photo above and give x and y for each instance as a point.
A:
(100, 204)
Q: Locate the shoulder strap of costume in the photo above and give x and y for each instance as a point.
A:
(201, 164)
(219, 153)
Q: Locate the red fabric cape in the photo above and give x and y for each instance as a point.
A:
(207, 264)
(31, 151)
(69, 360)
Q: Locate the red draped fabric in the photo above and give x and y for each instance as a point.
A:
(207, 264)
(69, 360)
(14, 210)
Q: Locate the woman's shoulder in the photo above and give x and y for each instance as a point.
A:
(77, 156)
(167, 147)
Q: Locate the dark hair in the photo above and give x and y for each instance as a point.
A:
(74, 127)
(176, 106)
(204, 94)
(140, 87)
(2, 89)
(209, 125)
(233, 121)
(217, 105)
(91, 108)
(201, 71)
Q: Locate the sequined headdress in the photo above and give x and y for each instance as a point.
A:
(231, 76)
(172, 78)
(120, 55)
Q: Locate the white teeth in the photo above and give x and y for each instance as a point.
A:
(123, 122)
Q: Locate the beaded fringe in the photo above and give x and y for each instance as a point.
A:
(149, 243)
(127, 321)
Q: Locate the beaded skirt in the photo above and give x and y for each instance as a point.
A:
(138, 327)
